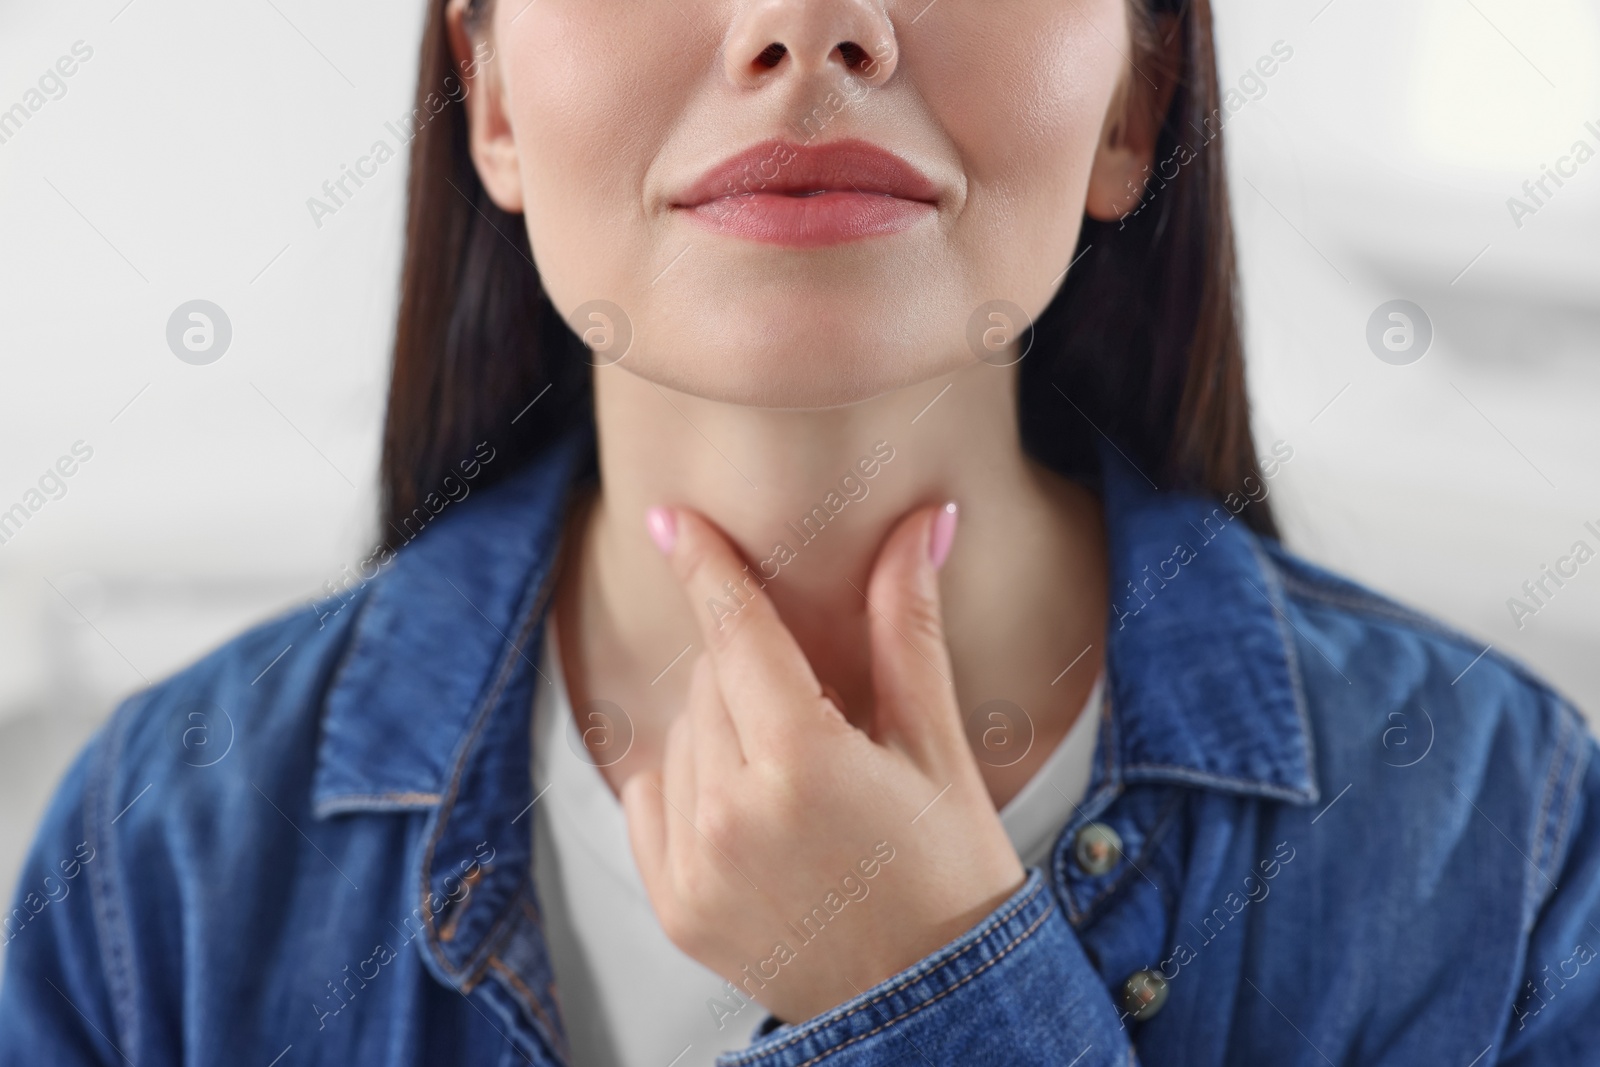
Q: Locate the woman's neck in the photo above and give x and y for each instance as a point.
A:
(809, 496)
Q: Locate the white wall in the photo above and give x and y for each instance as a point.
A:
(177, 165)
(1377, 166)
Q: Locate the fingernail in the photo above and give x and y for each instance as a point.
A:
(943, 535)
(663, 527)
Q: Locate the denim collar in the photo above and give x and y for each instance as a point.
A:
(429, 709)
(1205, 686)
(1205, 680)
(437, 631)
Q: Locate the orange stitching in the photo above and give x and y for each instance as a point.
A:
(441, 816)
(448, 931)
(527, 994)
(390, 798)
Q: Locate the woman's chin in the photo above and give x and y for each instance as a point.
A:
(748, 350)
(789, 373)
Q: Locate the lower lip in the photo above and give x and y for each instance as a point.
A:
(810, 221)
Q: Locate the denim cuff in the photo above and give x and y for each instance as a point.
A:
(1015, 990)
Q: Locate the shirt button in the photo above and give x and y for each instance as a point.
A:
(1097, 848)
(1143, 994)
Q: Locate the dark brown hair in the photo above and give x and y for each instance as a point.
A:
(1140, 346)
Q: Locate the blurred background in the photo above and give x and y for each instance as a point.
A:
(1375, 163)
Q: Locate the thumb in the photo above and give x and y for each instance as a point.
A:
(912, 679)
(644, 807)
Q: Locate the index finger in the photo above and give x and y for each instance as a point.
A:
(766, 682)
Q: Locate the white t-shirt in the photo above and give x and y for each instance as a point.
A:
(628, 997)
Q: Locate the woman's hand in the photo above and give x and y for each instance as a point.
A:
(799, 857)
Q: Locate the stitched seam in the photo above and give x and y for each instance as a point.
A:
(368, 595)
(448, 931)
(1191, 776)
(1543, 821)
(1110, 790)
(442, 814)
(1202, 778)
(1367, 604)
(358, 636)
(1580, 762)
(1113, 751)
(1531, 890)
(1552, 844)
(110, 916)
(934, 999)
(542, 587)
(1281, 618)
(910, 979)
(500, 930)
(521, 987)
(1151, 842)
(1059, 859)
(1380, 608)
(120, 936)
(98, 889)
(363, 801)
(1107, 795)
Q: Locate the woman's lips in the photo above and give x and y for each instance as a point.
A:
(804, 196)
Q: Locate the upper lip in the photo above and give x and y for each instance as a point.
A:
(786, 168)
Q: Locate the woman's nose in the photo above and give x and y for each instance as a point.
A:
(772, 39)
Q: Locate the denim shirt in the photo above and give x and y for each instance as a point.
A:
(1341, 835)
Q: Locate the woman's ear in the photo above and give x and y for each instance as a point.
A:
(1120, 171)
(489, 138)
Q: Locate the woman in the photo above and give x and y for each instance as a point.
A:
(905, 680)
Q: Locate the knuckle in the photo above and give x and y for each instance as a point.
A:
(727, 623)
(705, 567)
(696, 562)
(679, 928)
(920, 617)
(785, 786)
(719, 821)
(700, 884)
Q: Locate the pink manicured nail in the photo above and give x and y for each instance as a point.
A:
(944, 534)
(663, 527)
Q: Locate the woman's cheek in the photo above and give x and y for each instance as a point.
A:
(1025, 113)
(1020, 104)
(591, 100)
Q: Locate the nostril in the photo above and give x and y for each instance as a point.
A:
(771, 55)
(852, 54)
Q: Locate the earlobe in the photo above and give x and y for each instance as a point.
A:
(489, 134)
(1122, 163)
(1120, 170)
